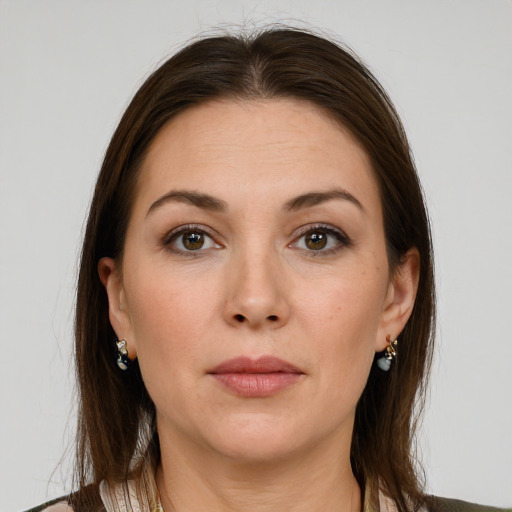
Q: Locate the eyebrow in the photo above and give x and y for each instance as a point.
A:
(208, 202)
(204, 201)
(314, 198)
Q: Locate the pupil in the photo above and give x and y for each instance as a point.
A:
(316, 241)
(193, 241)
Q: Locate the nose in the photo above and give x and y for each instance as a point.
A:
(256, 292)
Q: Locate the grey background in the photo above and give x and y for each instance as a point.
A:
(67, 71)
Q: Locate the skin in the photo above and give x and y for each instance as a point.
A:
(256, 288)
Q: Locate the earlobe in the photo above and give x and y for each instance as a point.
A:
(111, 278)
(400, 298)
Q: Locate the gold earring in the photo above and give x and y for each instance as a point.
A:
(384, 361)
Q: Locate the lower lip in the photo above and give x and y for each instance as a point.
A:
(256, 385)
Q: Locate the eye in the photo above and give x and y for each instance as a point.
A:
(321, 239)
(186, 239)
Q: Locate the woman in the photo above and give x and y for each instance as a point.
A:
(255, 303)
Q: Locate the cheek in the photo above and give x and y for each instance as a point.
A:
(171, 320)
(170, 315)
(346, 306)
(343, 320)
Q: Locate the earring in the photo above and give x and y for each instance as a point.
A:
(123, 361)
(384, 361)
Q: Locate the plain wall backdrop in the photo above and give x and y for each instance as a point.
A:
(67, 71)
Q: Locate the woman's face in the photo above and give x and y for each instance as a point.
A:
(254, 286)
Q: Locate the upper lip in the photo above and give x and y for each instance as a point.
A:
(264, 364)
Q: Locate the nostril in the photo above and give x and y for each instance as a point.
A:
(239, 318)
(273, 318)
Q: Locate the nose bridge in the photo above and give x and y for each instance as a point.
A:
(256, 295)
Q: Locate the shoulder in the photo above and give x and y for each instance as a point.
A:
(86, 499)
(57, 505)
(450, 505)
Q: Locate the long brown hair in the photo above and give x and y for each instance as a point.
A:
(116, 429)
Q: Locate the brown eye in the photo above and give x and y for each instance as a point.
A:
(315, 241)
(192, 241)
(189, 239)
(321, 239)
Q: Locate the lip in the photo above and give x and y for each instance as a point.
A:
(256, 378)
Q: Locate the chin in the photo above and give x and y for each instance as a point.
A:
(250, 439)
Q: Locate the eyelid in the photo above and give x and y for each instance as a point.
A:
(183, 228)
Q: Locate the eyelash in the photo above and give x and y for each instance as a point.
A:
(342, 239)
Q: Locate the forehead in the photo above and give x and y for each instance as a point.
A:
(271, 147)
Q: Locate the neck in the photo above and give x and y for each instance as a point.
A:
(314, 480)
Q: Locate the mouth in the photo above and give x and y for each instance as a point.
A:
(256, 378)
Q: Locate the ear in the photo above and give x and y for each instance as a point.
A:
(111, 278)
(400, 298)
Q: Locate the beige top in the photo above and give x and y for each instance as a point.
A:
(142, 496)
(124, 498)
(59, 507)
